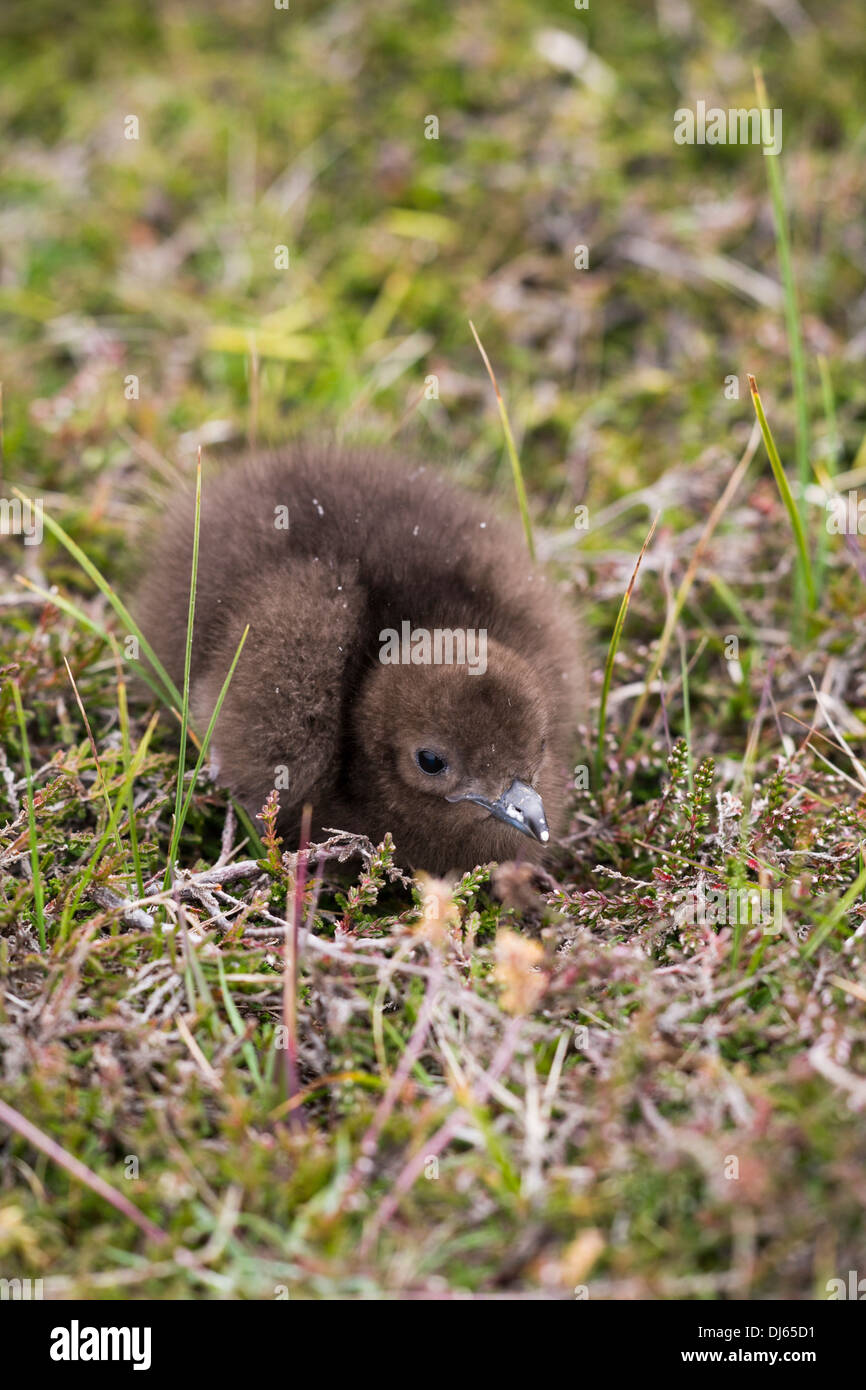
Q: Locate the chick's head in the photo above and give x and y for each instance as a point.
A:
(455, 758)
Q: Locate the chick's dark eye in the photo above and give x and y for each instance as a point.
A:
(430, 762)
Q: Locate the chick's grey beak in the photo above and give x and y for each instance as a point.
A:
(519, 806)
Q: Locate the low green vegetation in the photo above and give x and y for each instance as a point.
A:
(229, 1069)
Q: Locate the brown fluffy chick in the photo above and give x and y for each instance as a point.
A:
(322, 550)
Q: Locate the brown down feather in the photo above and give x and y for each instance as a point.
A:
(373, 539)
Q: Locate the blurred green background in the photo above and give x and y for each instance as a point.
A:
(305, 128)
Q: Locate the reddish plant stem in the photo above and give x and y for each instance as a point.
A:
(45, 1144)
(290, 971)
(411, 1053)
(434, 1146)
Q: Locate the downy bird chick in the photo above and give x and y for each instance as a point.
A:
(406, 670)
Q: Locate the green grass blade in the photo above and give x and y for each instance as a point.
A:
(611, 657)
(179, 821)
(237, 1023)
(792, 311)
(105, 588)
(126, 745)
(255, 838)
(90, 625)
(38, 889)
(516, 470)
(827, 468)
(675, 609)
(78, 614)
(828, 401)
(830, 922)
(184, 709)
(732, 603)
(121, 800)
(100, 775)
(687, 709)
(805, 564)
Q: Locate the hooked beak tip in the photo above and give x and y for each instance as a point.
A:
(522, 808)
